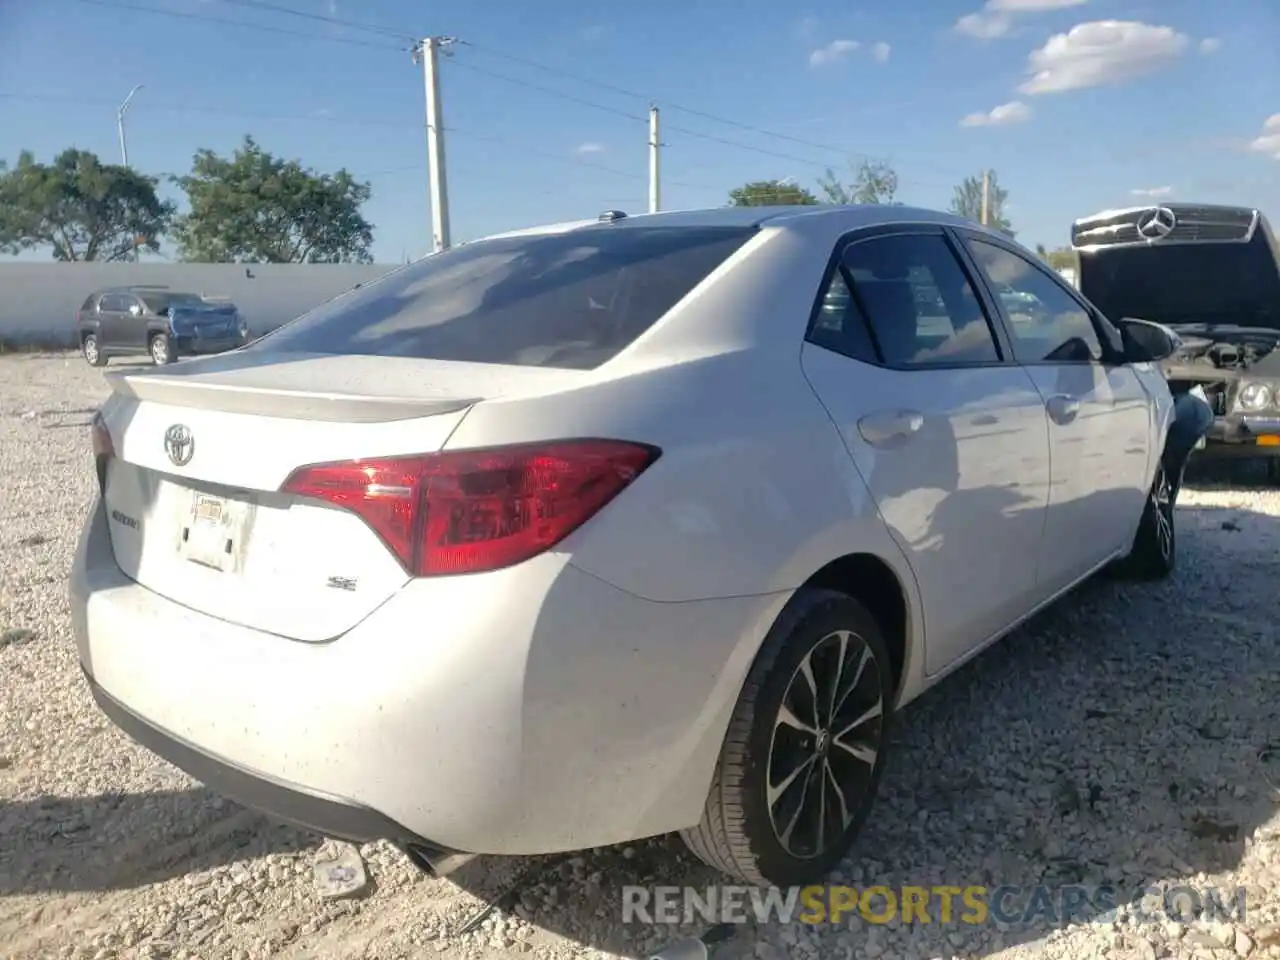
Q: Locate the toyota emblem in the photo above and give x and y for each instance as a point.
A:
(179, 444)
(1156, 223)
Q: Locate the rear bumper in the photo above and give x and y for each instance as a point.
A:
(533, 710)
(331, 816)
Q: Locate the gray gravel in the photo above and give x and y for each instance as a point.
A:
(1120, 737)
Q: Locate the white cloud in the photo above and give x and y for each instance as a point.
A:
(1003, 115)
(1268, 141)
(1152, 192)
(1100, 53)
(1031, 6)
(1210, 45)
(995, 19)
(833, 51)
(589, 148)
(984, 26)
(880, 52)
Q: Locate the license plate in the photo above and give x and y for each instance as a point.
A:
(213, 532)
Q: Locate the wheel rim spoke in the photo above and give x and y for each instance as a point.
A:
(787, 718)
(777, 790)
(846, 817)
(801, 806)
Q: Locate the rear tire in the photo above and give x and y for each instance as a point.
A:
(1155, 547)
(805, 748)
(161, 349)
(92, 351)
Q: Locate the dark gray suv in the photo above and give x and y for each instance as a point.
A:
(163, 323)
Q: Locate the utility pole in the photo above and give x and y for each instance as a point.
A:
(120, 112)
(986, 195)
(429, 51)
(655, 144)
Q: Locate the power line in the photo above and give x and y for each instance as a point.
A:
(697, 134)
(322, 18)
(120, 5)
(353, 121)
(667, 104)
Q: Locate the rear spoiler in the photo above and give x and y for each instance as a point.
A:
(301, 404)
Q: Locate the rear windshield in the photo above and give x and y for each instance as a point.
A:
(572, 300)
(1236, 283)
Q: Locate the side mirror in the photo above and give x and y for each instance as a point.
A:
(1147, 342)
(135, 310)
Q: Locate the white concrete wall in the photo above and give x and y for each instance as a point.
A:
(38, 301)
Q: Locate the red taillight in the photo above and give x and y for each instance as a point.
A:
(102, 445)
(103, 448)
(469, 511)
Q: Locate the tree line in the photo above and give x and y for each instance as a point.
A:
(251, 207)
(876, 182)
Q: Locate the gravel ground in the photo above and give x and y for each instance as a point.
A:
(1120, 737)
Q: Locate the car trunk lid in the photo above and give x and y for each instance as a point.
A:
(202, 449)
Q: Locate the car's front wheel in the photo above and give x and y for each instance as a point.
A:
(1155, 546)
(92, 350)
(805, 748)
(162, 349)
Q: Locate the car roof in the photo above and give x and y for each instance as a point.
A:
(841, 217)
(146, 288)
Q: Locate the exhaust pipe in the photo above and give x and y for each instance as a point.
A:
(436, 862)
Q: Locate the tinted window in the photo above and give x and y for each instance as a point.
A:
(840, 325)
(160, 302)
(573, 299)
(918, 300)
(1047, 323)
(113, 302)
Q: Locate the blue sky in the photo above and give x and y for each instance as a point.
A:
(1076, 104)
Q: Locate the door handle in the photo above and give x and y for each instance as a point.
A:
(886, 427)
(1062, 408)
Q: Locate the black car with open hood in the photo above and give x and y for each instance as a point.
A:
(1212, 274)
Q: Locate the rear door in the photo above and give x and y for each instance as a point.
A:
(133, 323)
(113, 330)
(949, 434)
(1099, 413)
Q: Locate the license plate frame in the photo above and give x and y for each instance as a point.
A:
(214, 530)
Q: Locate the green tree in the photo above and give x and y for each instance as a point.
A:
(257, 208)
(967, 202)
(1060, 258)
(79, 207)
(873, 182)
(768, 193)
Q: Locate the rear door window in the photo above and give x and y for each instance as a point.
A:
(573, 299)
(919, 302)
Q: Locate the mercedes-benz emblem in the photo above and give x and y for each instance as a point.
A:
(179, 444)
(1156, 223)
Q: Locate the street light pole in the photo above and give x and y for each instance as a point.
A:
(120, 112)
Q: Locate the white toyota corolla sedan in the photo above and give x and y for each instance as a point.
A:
(582, 534)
